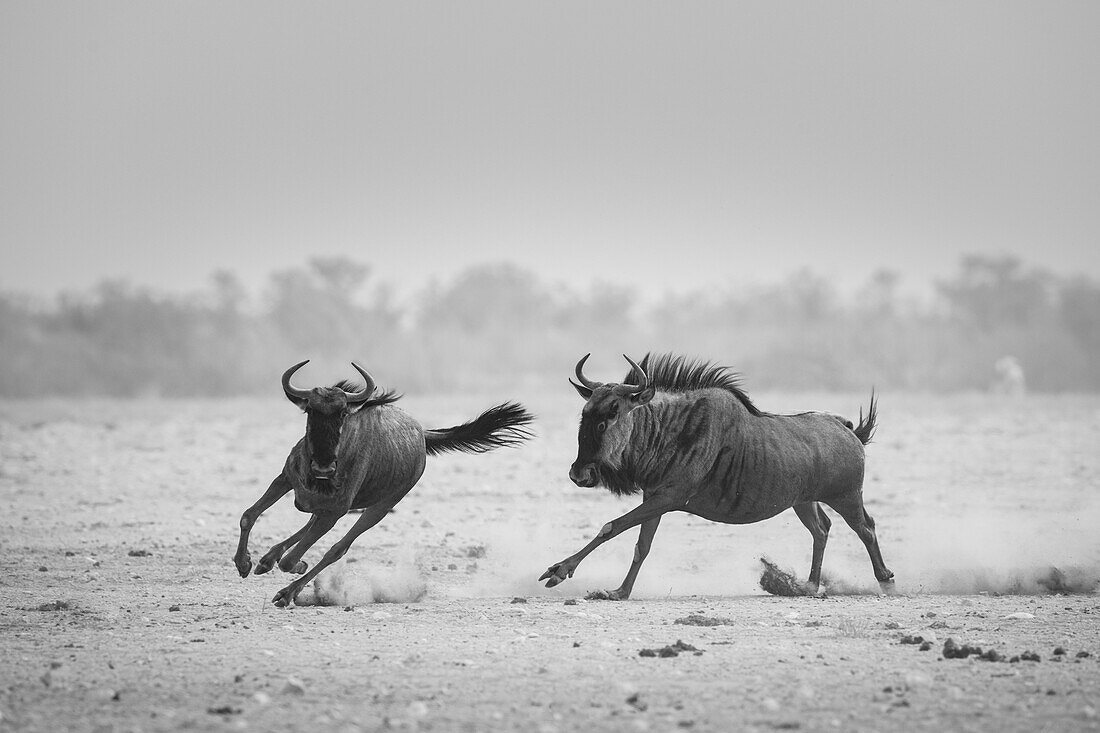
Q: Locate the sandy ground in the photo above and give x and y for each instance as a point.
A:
(121, 609)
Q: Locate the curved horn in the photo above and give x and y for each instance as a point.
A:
(580, 374)
(294, 393)
(355, 398)
(645, 377)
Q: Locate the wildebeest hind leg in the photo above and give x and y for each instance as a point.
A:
(277, 490)
(641, 550)
(815, 520)
(370, 517)
(859, 520)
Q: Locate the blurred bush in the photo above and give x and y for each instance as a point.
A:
(500, 327)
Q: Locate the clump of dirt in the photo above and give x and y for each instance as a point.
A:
(54, 606)
(779, 582)
(952, 650)
(672, 650)
(698, 619)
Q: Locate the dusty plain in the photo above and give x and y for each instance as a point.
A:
(120, 609)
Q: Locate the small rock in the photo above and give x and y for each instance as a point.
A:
(174, 607)
(261, 698)
(1059, 651)
(1030, 657)
(42, 568)
(223, 710)
(139, 553)
(1083, 654)
(519, 599)
(570, 602)
(1020, 615)
(926, 646)
(294, 686)
(892, 625)
(635, 701)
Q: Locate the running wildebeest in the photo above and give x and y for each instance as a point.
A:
(689, 439)
(359, 452)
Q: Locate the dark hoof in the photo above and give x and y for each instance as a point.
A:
(299, 567)
(264, 565)
(556, 574)
(244, 565)
(285, 597)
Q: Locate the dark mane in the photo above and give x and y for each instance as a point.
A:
(671, 373)
(378, 398)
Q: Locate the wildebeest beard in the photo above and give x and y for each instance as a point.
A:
(619, 481)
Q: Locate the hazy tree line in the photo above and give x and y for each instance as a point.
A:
(504, 326)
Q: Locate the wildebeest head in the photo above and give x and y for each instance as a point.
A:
(325, 408)
(606, 420)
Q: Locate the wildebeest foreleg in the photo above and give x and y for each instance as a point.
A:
(815, 520)
(278, 488)
(645, 541)
(275, 553)
(647, 510)
(859, 520)
(370, 517)
(318, 525)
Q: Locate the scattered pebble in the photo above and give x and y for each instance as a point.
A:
(1083, 654)
(1059, 651)
(570, 602)
(294, 686)
(519, 599)
(1020, 615)
(635, 701)
(224, 710)
(174, 607)
(139, 553)
(892, 625)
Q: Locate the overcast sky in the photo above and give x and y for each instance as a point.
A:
(669, 145)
